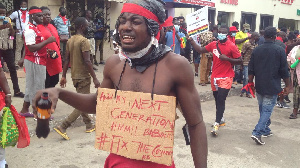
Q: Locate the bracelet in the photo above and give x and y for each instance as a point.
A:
(7, 95)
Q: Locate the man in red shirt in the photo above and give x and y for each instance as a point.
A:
(232, 33)
(35, 58)
(225, 55)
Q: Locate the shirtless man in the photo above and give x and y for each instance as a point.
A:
(136, 37)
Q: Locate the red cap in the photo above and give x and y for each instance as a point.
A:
(233, 29)
(168, 22)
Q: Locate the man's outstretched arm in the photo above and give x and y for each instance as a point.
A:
(189, 101)
(197, 47)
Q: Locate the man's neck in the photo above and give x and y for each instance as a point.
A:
(79, 33)
(88, 19)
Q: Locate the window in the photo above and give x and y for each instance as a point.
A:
(290, 24)
(223, 18)
(249, 18)
(265, 21)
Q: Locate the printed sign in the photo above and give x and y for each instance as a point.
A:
(197, 22)
(132, 125)
(210, 3)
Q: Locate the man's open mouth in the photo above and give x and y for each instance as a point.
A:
(128, 39)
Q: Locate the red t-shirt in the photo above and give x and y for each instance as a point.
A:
(232, 39)
(220, 68)
(116, 161)
(53, 66)
(33, 36)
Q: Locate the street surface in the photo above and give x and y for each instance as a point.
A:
(232, 148)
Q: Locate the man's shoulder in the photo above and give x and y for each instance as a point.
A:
(174, 61)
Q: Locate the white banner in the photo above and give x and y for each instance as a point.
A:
(197, 22)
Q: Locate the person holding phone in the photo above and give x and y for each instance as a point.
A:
(6, 49)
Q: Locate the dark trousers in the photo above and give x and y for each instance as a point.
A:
(220, 98)
(51, 81)
(8, 57)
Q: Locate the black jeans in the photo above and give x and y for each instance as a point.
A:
(51, 81)
(220, 98)
(8, 57)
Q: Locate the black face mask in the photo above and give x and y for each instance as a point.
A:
(63, 13)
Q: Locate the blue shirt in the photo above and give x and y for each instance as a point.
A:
(99, 24)
(60, 26)
(169, 38)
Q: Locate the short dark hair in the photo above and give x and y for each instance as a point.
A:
(79, 22)
(235, 23)
(34, 7)
(2, 6)
(61, 8)
(296, 32)
(262, 32)
(23, 1)
(292, 36)
(181, 17)
(284, 29)
(224, 27)
(45, 7)
(270, 32)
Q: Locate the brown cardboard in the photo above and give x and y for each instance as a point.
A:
(135, 126)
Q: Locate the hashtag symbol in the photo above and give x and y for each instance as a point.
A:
(102, 140)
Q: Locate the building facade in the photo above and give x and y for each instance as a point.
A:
(258, 13)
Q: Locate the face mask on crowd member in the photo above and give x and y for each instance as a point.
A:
(221, 36)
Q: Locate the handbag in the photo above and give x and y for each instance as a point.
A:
(24, 137)
(9, 132)
(64, 37)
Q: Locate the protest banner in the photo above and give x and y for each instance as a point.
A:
(210, 3)
(197, 22)
(132, 125)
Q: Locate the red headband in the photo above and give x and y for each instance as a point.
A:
(33, 11)
(139, 10)
(136, 9)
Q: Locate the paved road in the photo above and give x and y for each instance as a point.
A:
(232, 148)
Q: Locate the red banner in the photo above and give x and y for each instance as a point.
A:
(197, 2)
(289, 2)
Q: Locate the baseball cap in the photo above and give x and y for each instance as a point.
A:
(233, 29)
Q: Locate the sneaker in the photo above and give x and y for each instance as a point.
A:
(222, 123)
(286, 98)
(215, 130)
(278, 105)
(91, 129)
(20, 94)
(258, 140)
(28, 114)
(284, 105)
(267, 135)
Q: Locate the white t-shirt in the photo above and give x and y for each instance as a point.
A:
(14, 16)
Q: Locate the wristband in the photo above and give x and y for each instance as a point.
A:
(7, 95)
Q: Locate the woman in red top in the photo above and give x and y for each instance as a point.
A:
(54, 66)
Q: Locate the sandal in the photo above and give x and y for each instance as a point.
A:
(19, 94)
(64, 135)
(293, 116)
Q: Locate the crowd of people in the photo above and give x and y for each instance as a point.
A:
(148, 43)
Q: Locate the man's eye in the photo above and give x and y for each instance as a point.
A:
(137, 22)
(122, 21)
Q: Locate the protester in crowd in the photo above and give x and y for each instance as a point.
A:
(172, 37)
(3, 82)
(240, 39)
(99, 37)
(196, 56)
(6, 49)
(206, 58)
(295, 75)
(232, 33)
(281, 39)
(215, 32)
(247, 50)
(62, 25)
(225, 54)
(54, 65)
(292, 42)
(186, 52)
(181, 20)
(91, 34)
(236, 24)
(268, 64)
(261, 38)
(22, 17)
(285, 30)
(296, 32)
(35, 59)
(78, 54)
(174, 76)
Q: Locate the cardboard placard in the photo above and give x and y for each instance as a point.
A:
(135, 126)
(197, 22)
